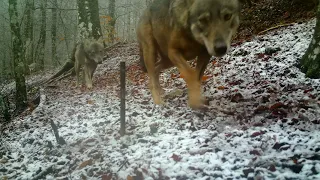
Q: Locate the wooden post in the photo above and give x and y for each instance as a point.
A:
(123, 98)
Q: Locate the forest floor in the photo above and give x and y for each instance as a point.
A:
(262, 122)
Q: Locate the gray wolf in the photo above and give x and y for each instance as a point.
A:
(181, 30)
(87, 55)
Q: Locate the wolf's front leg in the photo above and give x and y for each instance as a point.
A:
(86, 76)
(77, 70)
(191, 77)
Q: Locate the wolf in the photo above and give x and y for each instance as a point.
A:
(181, 30)
(87, 55)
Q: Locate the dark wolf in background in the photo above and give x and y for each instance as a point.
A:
(181, 30)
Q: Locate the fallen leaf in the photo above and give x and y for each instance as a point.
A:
(237, 97)
(261, 109)
(221, 87)
(173, 75)
(255, 134)
(176, 158)
(106, 177)
(255, 152)
(260, 56)
(214, 62)
(145, 171)
(277, 105)
(90, 102)
(204, 78)
(86, 163)
(272, 168)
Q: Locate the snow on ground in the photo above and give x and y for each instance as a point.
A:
(262, 121)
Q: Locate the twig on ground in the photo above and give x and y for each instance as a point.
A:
(275, 27)
(123, 164)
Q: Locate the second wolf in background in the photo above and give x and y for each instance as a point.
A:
(87, 55)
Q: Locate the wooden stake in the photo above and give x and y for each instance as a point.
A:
(123, 98)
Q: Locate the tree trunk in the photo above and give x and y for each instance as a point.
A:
(28, 34)
(43, 34)
(18, 58)
(83, 20)
(95, 19)
(112, 10)
(4, 107)
(54, 33)
(310, 62)
(128, 22)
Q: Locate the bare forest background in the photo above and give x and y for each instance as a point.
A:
(61, 21)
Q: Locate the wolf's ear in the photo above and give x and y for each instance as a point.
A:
(179, 9)
(101, 40)
(86, 42)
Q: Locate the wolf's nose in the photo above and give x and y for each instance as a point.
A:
(220, 49)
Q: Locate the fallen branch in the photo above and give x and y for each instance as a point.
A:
(276, 27)
(59, 139)
(111, 46)
(66, 68)
(44, 173)
(65, 75)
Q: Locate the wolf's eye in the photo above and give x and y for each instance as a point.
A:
(204, 18)
(227, 17)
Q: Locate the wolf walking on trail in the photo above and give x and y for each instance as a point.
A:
(88, 55)
(181, 30)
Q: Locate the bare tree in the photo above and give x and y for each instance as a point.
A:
(88, 19)
(43, 34)
(28, 34)
(54, 32)
(18, 57)
(112, 9)
(310, 62)
(95, 19)
(83, 21)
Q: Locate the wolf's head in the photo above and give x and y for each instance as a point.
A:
(94, 50)
(212, 22)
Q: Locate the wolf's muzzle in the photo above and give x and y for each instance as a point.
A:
(220, 48)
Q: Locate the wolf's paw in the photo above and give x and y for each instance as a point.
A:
(198, 103)
(89, 86)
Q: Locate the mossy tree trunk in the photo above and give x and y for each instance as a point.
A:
(95, 18)
(310, 62)
(18, 57)
(83, 20)
(4, 108)
(112, 11)
(54, 33)
(28, 34)
(88, 19)
(43, 34)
